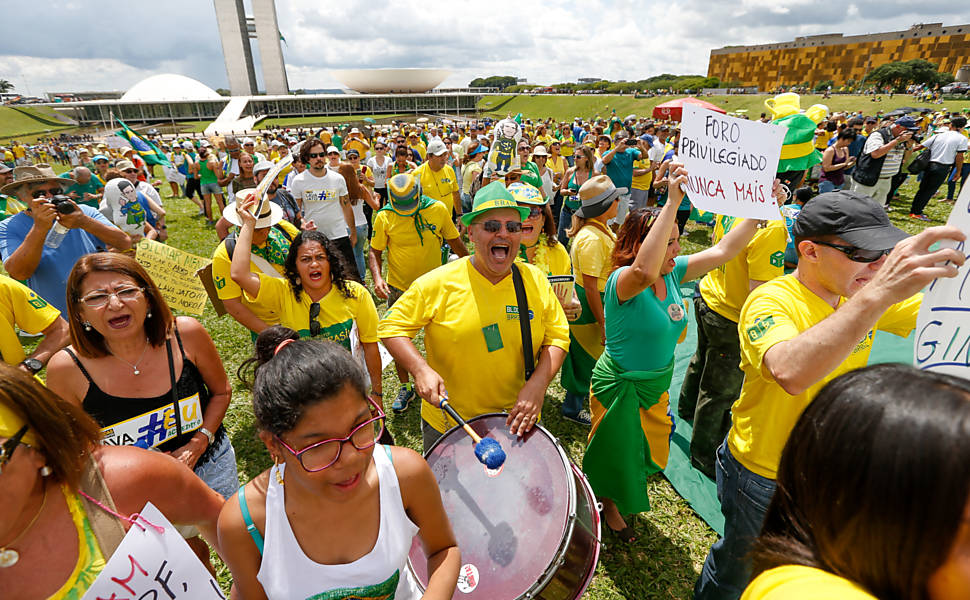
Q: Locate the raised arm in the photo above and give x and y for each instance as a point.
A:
(239, 267)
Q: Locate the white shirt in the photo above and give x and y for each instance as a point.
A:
(380, 171)
(656, 152)
(894, 158)
(321, 201)
(945, 146)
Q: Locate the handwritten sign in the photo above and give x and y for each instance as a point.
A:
(731, 163)
(943, 324)
(174, 272)
(152, 565)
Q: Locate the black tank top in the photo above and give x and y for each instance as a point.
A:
(150, 422)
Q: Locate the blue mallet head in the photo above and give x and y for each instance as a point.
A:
(489, 452)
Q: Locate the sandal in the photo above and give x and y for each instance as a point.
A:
(627, 535)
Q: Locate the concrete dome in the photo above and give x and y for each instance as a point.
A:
(383, 81)
(168, 87)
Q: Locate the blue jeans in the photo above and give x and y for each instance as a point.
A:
(565, 221)
(825, 186)
(573, 403)
(961, 177)
(360, 248)
(744, 500)
(219, 472)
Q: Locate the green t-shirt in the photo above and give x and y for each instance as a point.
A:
(641, 333)
(337, 141)
(93, 186)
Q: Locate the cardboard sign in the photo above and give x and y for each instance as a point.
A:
(174, 272)
(731, 163)
(943, 324)
(159, 566)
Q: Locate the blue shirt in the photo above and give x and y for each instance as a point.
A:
(620, 167)
(49, 279)
(642, 333)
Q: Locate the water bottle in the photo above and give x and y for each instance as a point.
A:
(56, 235)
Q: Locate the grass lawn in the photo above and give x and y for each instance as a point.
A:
(322, 120)
(14, 123)
(673, 540)
(565, 107)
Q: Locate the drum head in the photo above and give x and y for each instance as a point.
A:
(509, 524)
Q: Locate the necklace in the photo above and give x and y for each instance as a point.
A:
(540, 259)
(8, 556)
(134, 366)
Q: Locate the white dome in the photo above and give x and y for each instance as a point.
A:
(378, 81)
(168, 87)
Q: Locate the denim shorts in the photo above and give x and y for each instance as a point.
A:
(211, 188)
(219, 472)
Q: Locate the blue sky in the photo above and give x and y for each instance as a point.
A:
(59, 45)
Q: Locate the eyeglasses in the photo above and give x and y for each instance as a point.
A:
(493, 226)
(523, 148)
(45, 192)
(319, 456)
(314, 324)
(7, 448)
(333, 154)
(131, 170)
(316, 154)
(534, 211)
(859, 255)
(99, 299)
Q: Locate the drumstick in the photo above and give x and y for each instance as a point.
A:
(488, 451)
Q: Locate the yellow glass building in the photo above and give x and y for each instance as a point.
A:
(839, 58)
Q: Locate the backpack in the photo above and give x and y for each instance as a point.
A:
(867, 168)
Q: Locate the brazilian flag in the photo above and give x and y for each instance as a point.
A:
(145, 149)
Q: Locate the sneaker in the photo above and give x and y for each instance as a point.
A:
(582, 418)
(403, 399)
(919, 217)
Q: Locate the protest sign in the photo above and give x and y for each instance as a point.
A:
(174, 272)
(154, 565)
(731, 163)
(943, 324)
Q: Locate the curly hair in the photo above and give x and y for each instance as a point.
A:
(265, 347)
(339, 270)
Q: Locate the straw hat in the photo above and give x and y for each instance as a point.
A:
(39, 173)
(597, 194)
(270, 215)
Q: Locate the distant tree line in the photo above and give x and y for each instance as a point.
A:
(901, 73)
(677, 83)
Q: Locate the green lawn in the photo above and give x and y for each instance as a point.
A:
(673, 540)
(565, 107)
(310, 121)
(14, 123)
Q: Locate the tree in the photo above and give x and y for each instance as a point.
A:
(821, 86)
(5, 86)
(223, 92)
(899, 74)
(495, 81)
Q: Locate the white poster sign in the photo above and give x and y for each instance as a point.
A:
(149, 565)
(731, 163)
(943, 324)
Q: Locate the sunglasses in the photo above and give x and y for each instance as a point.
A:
(319, 456)
(493, 226)
(316, 154)
(534, 211)
(859, 255)
(131, 170)
(314, 324)
(333, 154)
(7, 448)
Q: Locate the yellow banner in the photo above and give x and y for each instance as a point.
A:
(174, 273)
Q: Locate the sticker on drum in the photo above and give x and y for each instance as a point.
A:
(468, 578)
(493, 472)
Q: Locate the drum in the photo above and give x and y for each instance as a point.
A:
(527, 530)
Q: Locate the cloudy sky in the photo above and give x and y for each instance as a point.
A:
(64, 45)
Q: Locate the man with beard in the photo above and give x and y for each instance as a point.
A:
(470, 315)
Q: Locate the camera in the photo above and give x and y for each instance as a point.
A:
(62, 204)
(630, 141)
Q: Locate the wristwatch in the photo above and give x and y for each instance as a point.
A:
(208, 434)
(32, 364)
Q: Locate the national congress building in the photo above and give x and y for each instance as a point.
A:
(841, 58)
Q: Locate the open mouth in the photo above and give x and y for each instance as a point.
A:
(527, 229)
(499, 252)
(119, 322)
(315, 275)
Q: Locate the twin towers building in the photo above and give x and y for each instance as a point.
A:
(235, 30)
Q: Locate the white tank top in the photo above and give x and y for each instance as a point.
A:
(286, 573)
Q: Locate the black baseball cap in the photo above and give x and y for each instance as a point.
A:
(857, 219)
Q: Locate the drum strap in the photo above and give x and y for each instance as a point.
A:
(524, 321)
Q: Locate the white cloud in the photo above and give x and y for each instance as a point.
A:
(115, 44)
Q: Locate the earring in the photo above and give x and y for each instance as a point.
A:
(46, 471)
(276, 471)
(149, 315)
(86, 325)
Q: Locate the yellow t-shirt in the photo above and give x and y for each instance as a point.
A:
(642, 182)
(556, 164)
(337, 313)
(764, 414)
(566, 145)
(591, 253)
(822, 139)
(409, 255)
(552, 260)
(797, 582)
(21, 307)
(227, 289)
(19, 151)
(421, 148)
(726, 288)
(359, 145)
(439, 185)
(472, 335)
(8, 156)
(326, 137)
